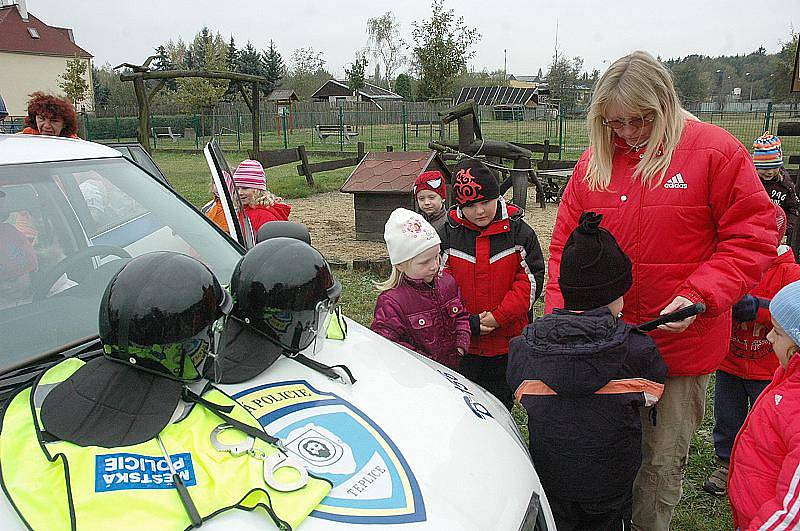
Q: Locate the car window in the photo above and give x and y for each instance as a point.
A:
(66, 228)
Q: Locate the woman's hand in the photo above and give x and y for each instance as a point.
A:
(488, 323)
(678, 326)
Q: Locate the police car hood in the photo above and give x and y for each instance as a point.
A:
(410, 445)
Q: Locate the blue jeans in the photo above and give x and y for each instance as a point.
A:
(733, 398)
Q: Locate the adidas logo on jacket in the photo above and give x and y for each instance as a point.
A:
(676, 182)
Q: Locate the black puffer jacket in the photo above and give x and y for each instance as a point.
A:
(582, 378)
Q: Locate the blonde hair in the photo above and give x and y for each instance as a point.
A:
(641, 85)
(265, 198)
(392, 282)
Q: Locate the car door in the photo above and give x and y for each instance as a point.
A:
(238, 225)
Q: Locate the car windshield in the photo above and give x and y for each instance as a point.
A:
(66, 228)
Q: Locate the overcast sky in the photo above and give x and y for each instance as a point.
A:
(117, 31)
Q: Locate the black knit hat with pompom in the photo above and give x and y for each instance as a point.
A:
(595, 271)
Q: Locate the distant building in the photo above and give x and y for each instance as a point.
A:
(334, 91)
(520, 81)
(524, 97)
(33, 56)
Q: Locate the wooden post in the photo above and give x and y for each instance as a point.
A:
(256, 119)
(144, 113)
(301, 151)
(519, 182)
(361, 151)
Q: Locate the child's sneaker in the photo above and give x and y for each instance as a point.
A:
(717, 482)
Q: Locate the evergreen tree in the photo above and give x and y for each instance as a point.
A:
(163, 62)
(233, 56)
(251, 62)
(274, 69)
(232, 61)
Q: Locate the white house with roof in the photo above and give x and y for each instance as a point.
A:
(33, 56)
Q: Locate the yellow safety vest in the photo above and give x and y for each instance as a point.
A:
(60, 485)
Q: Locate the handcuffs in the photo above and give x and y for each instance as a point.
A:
(278, 460)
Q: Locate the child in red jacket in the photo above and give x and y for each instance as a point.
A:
(496, 259)
(750, 362)
(260, 205)
(765, 462)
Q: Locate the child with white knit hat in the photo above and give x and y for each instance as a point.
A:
(765, 463)
(420, 307)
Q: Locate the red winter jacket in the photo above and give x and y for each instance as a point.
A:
(499, 268)
(765, 463)
(260, 214)
(707, 232)
(751, 356)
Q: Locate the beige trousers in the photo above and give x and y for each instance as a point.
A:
(665, 450)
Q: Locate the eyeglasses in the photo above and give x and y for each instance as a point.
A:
(636, 123)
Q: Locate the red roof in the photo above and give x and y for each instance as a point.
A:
(15, 37)
(396, 171)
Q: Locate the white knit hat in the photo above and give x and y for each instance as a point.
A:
(407, 234)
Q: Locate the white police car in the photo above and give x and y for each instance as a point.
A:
(411, 445)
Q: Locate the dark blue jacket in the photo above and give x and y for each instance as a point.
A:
(582, 378)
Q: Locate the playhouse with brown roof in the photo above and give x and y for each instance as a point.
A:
(382, 182)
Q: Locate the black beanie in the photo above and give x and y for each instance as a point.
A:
(595, 271)
(472, 182)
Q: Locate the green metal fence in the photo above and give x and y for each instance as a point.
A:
(405, 128)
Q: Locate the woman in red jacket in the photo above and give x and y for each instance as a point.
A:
(765, 463)
(683, 200)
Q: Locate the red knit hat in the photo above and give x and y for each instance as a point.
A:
(17, 256)
(250, 174)
(430, 180)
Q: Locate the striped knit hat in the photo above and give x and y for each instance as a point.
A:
(767, 151)
(250, 174)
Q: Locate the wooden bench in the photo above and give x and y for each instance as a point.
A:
(431, 125)
(346, 132)
(164, 132)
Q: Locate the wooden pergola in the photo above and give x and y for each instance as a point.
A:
(143, 98)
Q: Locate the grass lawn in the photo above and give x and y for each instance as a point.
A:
(189, 174)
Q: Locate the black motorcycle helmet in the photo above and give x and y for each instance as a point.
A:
(157, 314)
(283, 289)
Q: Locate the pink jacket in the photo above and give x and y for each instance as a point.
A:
(429, 319)
(764, 476)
